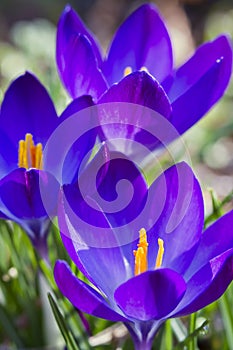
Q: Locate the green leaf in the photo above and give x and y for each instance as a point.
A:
(69, 340)
(217, 207)
(7, 325)
(227, 317)
(192, 336)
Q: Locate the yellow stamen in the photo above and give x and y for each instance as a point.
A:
(159, 258)
(21, 153)
(127, 71)
(140, 261)
(29, 154)
(140, 254)
(39, 156)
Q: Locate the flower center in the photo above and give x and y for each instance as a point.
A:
(29, 154)
(141, 263)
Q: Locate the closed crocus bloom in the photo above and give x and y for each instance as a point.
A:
(150, 261)
(142, 43)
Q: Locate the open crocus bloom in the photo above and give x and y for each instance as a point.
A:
(27, 120)
(142, 43)
(147, 262)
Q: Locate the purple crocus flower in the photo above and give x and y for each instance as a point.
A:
(142, 43)
(27, 120)
(172, 269)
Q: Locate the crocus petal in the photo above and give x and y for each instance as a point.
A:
(99, 163)
(214, 241)
(21, 190)
(122, 202)
(125, 190)
(141, 41)
(90, 241)
(71, 24)
(27, 187)
(21, 199)
(80, 148)
(8, 154)
(27, 105)
(75, 106)
(150, 295)
(142, 89)
(175, 206)
(70, 146)
(200, 82)
(92, 236)
(13, 194)
(81, 295)
(79, 70)
(124, 118)
(207, 285)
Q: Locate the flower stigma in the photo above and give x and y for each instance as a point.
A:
(141, 262)
(29, 154)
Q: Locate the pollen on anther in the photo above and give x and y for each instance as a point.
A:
(39, 156)
(140, 263)
(29, 154)
(144, 69)
(128, 70)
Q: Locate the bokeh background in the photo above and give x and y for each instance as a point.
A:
(27, 42)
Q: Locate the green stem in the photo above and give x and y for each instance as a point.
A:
(192, 325)
(226, 311)
(168, 335)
